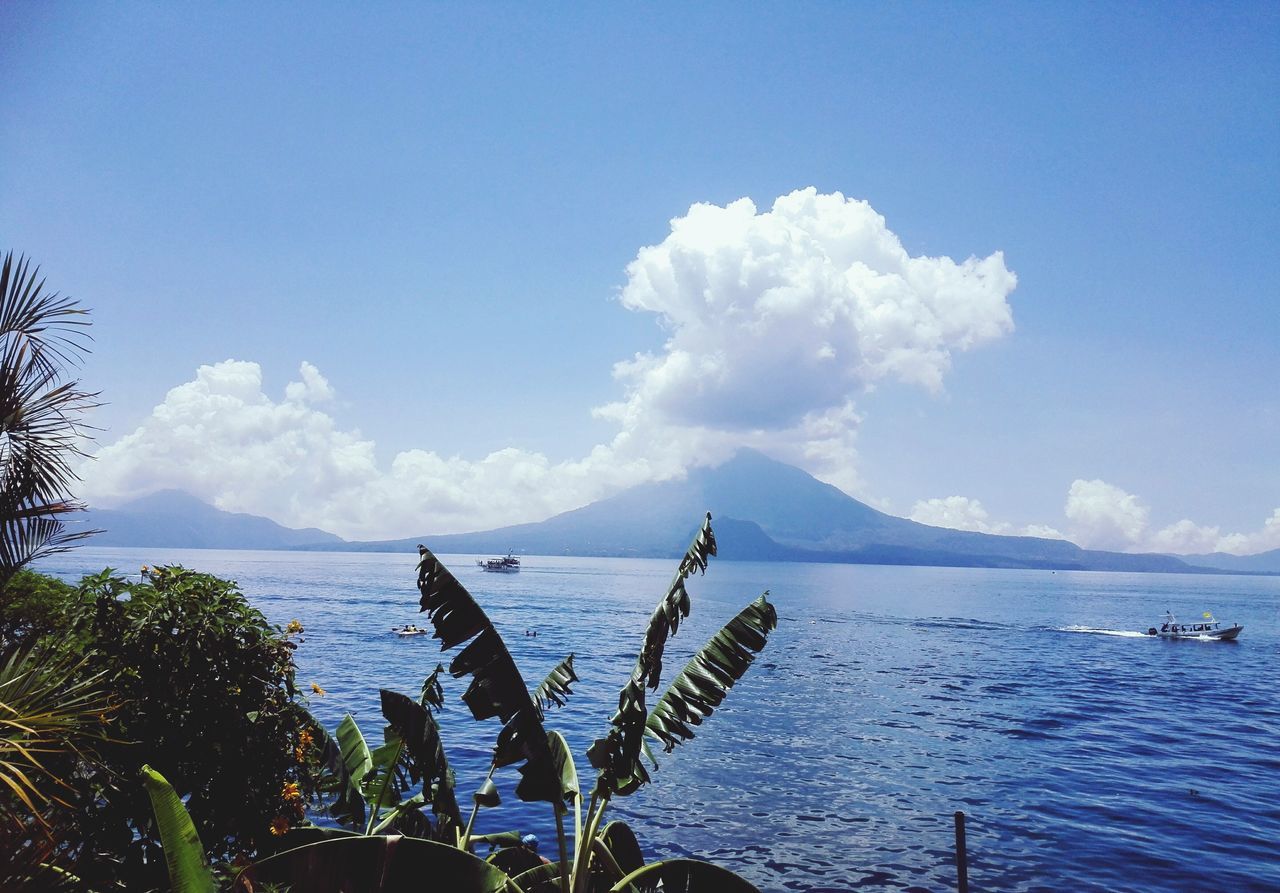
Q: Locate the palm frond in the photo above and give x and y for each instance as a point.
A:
(52, 323)
(49, 713)
(703, 683)
(41, 415)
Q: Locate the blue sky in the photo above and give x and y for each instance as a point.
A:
(440, 209)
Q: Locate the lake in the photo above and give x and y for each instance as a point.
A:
(887, 699)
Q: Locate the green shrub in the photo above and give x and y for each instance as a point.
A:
(32, 607)
(207, 697)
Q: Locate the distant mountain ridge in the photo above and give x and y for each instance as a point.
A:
(1263, 562)
(175, 519)
(764, 510)
(769, 511)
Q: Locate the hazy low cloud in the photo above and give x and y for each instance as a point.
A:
(963, 513)
(1103, 516)
(223, 439)
(777, 322)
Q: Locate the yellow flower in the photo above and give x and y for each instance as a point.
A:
(293, 627)
(304, 738)
(291, 791)
(317, 689)
(279, 825)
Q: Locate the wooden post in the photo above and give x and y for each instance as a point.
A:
(962, 856)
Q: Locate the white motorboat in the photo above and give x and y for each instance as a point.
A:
(508, 565)
(1208, 628)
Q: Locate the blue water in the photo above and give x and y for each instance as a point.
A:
(887, 699)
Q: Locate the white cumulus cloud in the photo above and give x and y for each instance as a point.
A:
(779, 318)
(957, 513)
(1103, 516)
(776, 322)
(223, 439)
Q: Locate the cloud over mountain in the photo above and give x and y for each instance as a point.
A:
(777, 321)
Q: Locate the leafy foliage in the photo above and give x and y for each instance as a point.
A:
(31, 608)
(208, 694)
(40, 415)
(380, 782)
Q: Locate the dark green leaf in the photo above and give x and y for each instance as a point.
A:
(189, 870)
(555, 688)
(701, 687)
(684, 876)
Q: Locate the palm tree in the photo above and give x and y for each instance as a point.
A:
(42, 334)
(50, 714)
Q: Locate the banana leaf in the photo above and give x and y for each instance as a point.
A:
(565, 769)
(515, 860)
(432, 691)
(376, 864)
(496, 688)
(542, 878)
(665, 620)
(348, 759)
(617, 755)
(555, 688)
(621, 842)
(423, 755)
(705, 681)
(684, 876)
(184, 855)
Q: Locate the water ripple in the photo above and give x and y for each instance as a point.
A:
(1086, 756)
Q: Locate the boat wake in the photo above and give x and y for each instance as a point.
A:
(1122, 633)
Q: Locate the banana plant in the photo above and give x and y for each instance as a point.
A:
(691, 697)
(497, 689)
(371, 786)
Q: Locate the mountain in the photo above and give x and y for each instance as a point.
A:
(769, 511)
(174, 519)
(1263, 562)
(764, 510)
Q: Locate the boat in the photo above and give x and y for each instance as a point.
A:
(409, 630)
(1208, 628)
(508, 565)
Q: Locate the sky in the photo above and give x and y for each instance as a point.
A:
(402, 269)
